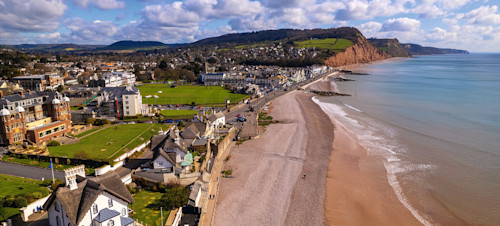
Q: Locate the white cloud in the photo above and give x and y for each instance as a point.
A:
(484, 15)
(101, 4)
(370, 29)
(83, 31)
(31, 15)
(401, 24)
(170, 15)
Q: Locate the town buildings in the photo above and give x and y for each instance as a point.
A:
(101, 200)
(114, 79)
(119, 101)
(33, 116)
(39, 82)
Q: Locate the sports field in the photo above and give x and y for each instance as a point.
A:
(200, 95)
(110, 142)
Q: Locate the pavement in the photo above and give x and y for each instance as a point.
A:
(29, 171)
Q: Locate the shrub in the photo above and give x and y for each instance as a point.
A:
(53, 143)
(20, 202)
(37, 195)
(29, 197)
(43, 191)
(174, 197)
(9, 201)
(100, 122)
(91, 121)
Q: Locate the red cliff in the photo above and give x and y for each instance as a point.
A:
(361, 52)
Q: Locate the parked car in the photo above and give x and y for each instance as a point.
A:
(241, 119)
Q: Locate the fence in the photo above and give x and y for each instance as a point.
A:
(32, 208)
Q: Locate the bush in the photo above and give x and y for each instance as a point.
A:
(9, 201)
(37, 195)
(29, 197)
(174, 197)
(100, 122)
(43, 191)
(91, 121)
(20, 202)
(53, 143)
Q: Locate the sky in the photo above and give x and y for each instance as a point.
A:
(473, 25)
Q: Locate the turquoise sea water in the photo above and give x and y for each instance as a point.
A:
(436, 120)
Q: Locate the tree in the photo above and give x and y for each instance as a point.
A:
(163, 65)
(174, 197)
(20, 202)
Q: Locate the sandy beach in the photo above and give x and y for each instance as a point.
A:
(343, 187)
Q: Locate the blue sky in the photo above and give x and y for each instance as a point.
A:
(466, 24)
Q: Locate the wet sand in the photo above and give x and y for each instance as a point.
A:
(343, 187)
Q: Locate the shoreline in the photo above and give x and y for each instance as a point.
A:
(269, 186)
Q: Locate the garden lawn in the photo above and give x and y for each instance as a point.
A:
(87, 132)
(200, 95)
(178, 114)
(10, 185)
(109, 143)
(146, 209)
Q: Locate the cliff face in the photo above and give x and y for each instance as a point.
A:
(390, 46)
(361, 52)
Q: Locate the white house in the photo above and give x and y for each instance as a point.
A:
(170, 152)
(216, 120)
(100, 201)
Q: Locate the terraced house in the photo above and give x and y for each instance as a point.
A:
(36, 117)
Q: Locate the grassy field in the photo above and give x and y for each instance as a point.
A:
(109, 143)
(327, 43)
(201, 95)
(178, 114)
(43, 164)
(10, 185)
(87, 132)
(146, 210)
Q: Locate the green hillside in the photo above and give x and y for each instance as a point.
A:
(336, 44)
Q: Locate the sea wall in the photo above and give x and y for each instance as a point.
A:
(361, 52)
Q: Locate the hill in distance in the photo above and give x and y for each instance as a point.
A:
(415, 49)
(135, 45)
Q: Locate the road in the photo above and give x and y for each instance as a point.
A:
(28, 171)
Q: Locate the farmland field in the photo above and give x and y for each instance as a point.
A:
(110, 142)
(200, 95)
(327, 43)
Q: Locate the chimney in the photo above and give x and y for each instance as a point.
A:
(21, 92)
(1, 94)
(176, 132)
(70, 176)
(177, 140)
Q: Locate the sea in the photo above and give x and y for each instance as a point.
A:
(436, 121)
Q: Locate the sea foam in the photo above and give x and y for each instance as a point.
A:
(377, 139)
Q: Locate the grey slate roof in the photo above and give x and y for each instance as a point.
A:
(106, 214)
(126, 221)
(117, 92)
(77, 202)
(213, 117)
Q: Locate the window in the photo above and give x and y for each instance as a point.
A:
(182, 158)
(128, 112)
(111, 223)
(94, 208)
(126, 107)
(126, 102)
(124, 212)
(56, 206)
(58, 221)
(110, 202)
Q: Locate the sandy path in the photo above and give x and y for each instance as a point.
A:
(268, 172)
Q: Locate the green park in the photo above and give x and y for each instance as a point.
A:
(200, 95)
(334, 44)
(109, 142)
